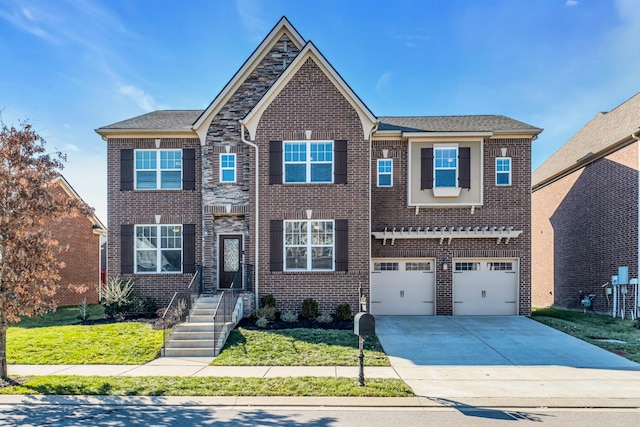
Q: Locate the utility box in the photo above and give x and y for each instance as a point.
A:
(364, 324)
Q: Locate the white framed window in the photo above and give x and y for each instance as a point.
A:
(386, 266)
(503, 171)
(309, 245)
(228, 167)
(467, 266)
(307, 162)
(385, 172)
(445, 166)
(158, 248)
(158, 169)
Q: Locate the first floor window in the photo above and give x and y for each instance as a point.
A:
(385, 173)
(309, 245)
(158, 169)
(227, 168)
(503, 171)
(158, 248)
(445, 166)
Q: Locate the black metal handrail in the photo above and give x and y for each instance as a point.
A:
(180, 306)
(224, 310)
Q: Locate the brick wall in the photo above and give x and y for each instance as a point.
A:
(141, 207)
(502, 206)
(311, 102)
(585, 226)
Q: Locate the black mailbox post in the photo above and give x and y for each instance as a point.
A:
(364, 324)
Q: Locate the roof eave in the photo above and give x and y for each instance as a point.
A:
(148, 133)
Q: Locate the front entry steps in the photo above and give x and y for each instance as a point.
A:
(196, 337)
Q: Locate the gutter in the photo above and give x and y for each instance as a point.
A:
(257, 229)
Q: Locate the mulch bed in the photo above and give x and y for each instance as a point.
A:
(250, 323)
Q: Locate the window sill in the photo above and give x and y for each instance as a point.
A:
(446, 191)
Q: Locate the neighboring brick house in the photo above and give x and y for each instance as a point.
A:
(79, 241)
(289, 172)
(585, 211)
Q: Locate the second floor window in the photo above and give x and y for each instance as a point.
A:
(503, 171)
(445, 166)
(227, 168)
(308, 162)
(385, 173)
(158, 169)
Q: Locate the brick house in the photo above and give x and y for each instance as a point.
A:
(289, 172)
(585, 211)
(79, 239)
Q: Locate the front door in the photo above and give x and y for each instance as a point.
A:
(229, 262)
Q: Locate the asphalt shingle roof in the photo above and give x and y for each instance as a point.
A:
(454, 124)
(603, 131)
(161, 120)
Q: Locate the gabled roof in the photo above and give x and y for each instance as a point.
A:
(606, 132)
(157, 120)
(201, 124)
(98, 226)
(495, 124)
(367, 119)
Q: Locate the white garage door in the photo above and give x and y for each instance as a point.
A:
(402, 287)
(485, 287)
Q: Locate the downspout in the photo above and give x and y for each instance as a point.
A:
(636, 136)
(257, 228)
(373, 129)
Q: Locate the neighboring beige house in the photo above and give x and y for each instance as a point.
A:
(585, 212)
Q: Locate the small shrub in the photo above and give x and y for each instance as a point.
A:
(83, 309)
(262, 322)
(266, 311)
(147, 306)
(289, 317)
(343, 312)
(310, 308)
(116, 296)
(268, 301)
(325, 318)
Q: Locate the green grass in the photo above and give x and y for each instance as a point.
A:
(58, 338)
(594, 328)
(206, 386)
(61, 317)
(298, 347)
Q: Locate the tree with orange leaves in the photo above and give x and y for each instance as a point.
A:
(28, 265)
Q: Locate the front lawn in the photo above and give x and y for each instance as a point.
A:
(60, 338)
(204, 386)
(298, 347)
(616, 335)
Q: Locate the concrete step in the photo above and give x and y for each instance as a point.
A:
(200, 318)
(197, 311)
(184, 336)
(191, 343)
(194, 327)
(188, 352)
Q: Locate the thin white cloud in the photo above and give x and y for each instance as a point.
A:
(383, 82)
(142, 99)
(252, 18)
(30, 20)
(571, 3)
(70, 147)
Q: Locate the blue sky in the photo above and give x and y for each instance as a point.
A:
(68, 67)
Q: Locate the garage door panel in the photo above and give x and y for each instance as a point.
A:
(402, 288)
(485, 287)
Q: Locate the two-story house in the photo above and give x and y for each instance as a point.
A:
(288, 171)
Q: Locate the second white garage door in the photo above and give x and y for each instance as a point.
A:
(485, 287)
(402, 287)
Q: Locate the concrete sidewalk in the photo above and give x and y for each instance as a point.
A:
(478, 386)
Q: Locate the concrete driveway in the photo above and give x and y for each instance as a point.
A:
(487, 340)
(508, 361)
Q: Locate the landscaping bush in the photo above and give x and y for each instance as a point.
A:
(325, 318)
(343, 312)
(289, 317)
(262, 322)
(146, 306)
(117, 297)
(268, 301)
(310, 308)
(267, 311)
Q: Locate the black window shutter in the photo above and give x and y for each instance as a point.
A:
(340, 166)
(126, 248)
(426, 168)
(189, 248)
(189, 169)
(126, 170)
(342, 245)
(275, 236)
(275, 162)
(464, 167)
